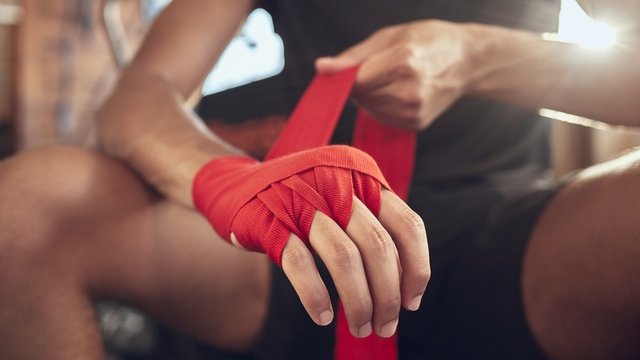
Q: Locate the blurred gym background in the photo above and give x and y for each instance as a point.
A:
(59, 58)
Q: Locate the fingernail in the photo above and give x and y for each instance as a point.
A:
(388, 329)
(325, 318)
(365, 330)
(414, 304)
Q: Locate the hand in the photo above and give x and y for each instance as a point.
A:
(377, 265)
(409, 74)
(290, 206)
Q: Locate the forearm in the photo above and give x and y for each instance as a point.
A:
(524, 69)
(145, 124)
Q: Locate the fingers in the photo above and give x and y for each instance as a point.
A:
(377, 266)
(342, 258)
(363, 263)
(386, 67)
(409, 234)
(299, 266)
(330, 65)
(381, 265)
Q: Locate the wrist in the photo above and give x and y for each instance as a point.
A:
(484, 44)
(222, 172)
(503, 60)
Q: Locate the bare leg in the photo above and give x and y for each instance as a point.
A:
(582, 268)
(76, 226)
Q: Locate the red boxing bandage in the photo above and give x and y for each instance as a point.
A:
(262, 202)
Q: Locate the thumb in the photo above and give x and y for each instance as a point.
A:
(354, 55)
(334, 64)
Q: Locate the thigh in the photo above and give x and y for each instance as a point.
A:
(79, 218)
(168, 261)
(582, 265)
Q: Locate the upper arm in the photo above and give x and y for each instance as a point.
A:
(613, 12)
(187, 38)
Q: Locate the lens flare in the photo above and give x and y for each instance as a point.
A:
(577, 27)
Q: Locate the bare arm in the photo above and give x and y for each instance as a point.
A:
(413, 72)
(145, 122)
(595, 83)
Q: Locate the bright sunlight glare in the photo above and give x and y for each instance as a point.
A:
(577, 27)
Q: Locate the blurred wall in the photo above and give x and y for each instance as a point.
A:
(64, 66)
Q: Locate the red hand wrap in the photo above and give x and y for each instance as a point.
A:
(262, 202)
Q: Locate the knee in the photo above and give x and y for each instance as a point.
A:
(61, 183)
(49, 193)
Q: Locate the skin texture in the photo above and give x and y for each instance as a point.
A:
(77, 225)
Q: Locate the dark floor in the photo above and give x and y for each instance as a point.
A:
(130, 335)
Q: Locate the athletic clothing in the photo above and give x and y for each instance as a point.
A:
(480, 183)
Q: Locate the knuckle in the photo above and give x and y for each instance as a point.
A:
(391, 305)
(380, 241)
(321, 227)
(411, 114)
(315, 298)
(422, 275)
(345, 254)
(407, 57)
(362, 309)
(295, 257)
(411, 221)
(405, 68)
(411, 97)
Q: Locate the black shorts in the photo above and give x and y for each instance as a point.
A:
(472, 308)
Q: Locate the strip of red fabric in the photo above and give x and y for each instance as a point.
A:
(311, 125)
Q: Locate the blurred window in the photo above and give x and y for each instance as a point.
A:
(256, 53)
